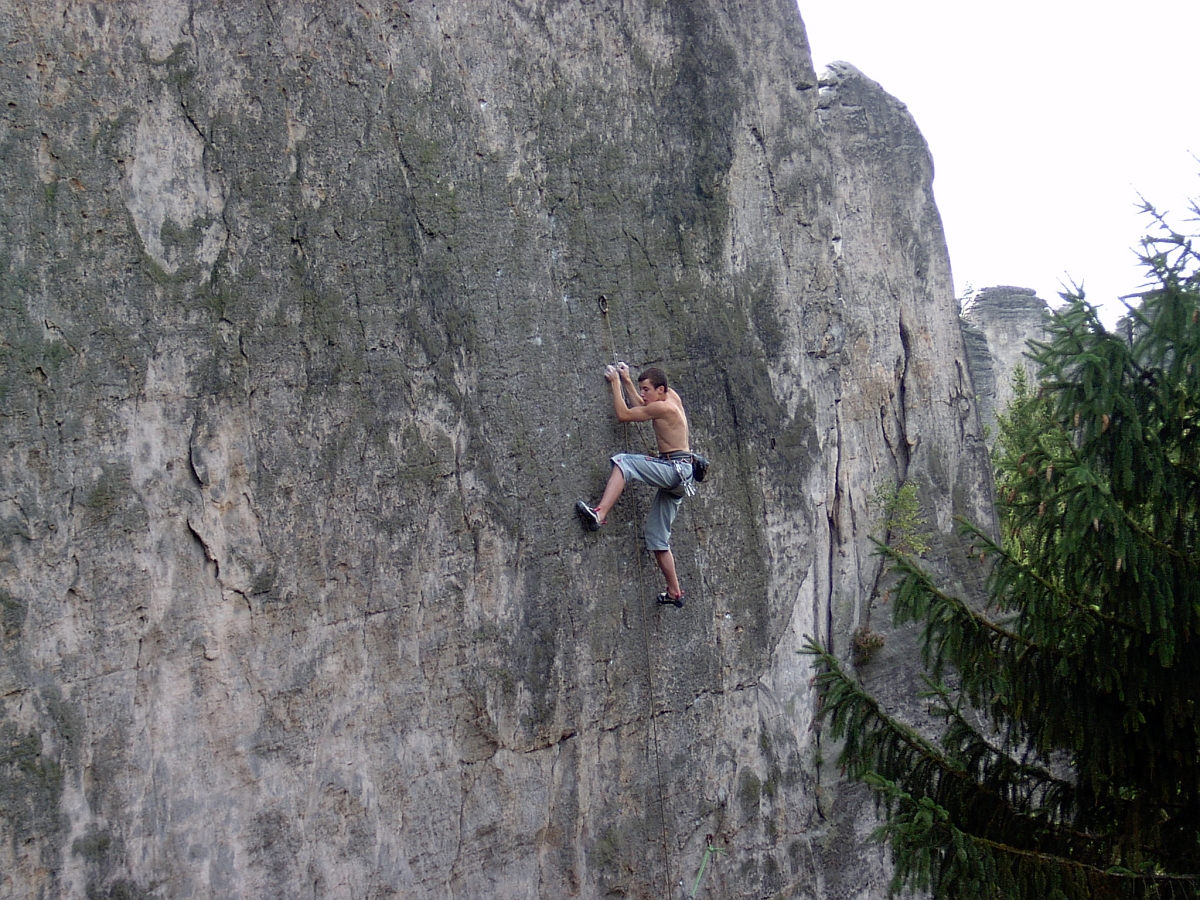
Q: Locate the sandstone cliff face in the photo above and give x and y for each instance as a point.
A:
(302, 350)
(998, 325)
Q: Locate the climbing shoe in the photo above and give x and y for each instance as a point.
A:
(667, 600)
(588, 516)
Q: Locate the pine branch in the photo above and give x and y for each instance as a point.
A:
(880, 746)
(846, 704)
(992, 765)
(994, 550)
(932, 852)
(1064, 862)
(912, 569)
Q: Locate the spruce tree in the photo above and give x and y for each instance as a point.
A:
(1068, 761)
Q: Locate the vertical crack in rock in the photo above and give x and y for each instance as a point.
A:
(961, 399)
(208, 551)
(835, 536)
(226, 522)
(901, 449)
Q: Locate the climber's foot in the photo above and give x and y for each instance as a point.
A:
(666, 599)
(590, 518)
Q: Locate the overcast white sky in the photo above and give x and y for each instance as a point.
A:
(1046, 121)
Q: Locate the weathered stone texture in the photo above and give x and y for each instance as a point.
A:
(998, 324)
(302, 341)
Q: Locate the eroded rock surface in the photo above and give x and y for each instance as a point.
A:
(998, 325)
(302, 350)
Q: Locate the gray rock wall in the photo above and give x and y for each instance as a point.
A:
(998, 324)
(302, 350)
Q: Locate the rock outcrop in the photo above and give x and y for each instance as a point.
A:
(998, 324)
(304, 310)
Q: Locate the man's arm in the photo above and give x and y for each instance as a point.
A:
(635, 399)
(643, 412)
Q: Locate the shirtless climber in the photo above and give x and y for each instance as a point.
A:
(670, 471)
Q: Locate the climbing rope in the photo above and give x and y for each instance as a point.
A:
(652, 719)
(701, 576)
(642, 593)
(602, 302)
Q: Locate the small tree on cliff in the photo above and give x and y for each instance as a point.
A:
(1069, 760)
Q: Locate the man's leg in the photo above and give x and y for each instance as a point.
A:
(658, 538)
(627, 467)
(612, 492)
(666, 562)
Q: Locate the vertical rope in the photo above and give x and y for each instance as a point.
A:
(641, 567)
(653, 720)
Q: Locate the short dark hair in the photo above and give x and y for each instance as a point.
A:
(656, 376)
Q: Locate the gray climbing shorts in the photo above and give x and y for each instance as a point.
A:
(672, 477)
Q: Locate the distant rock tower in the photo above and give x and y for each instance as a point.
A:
(997, 325)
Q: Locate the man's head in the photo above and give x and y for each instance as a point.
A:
(649, 384)
(655, 376)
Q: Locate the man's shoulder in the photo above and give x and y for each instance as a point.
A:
(666, 407)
